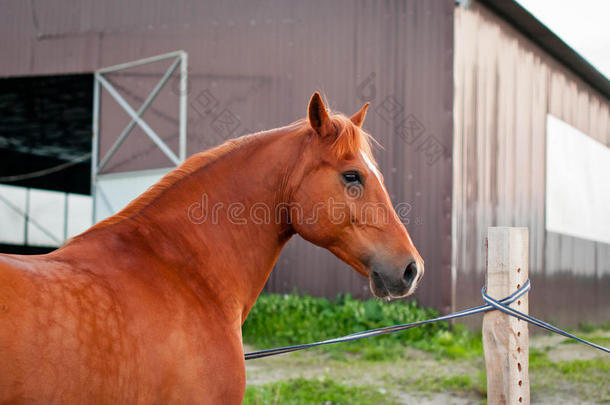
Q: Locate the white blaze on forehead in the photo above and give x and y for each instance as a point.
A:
(371, 166)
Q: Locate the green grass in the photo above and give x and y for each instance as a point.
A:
(600, 340)
(588, 327)
(456, 384)
(278, 320)
(303, 391)
(588, 377)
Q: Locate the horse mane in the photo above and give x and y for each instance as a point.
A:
(191, 165)
(350, 141)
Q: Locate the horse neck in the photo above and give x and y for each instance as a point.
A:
(203, 228)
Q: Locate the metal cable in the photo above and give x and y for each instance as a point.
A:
(525, 317)
(491, 304)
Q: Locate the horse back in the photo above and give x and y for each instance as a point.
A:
(60, 333)
(71, 332)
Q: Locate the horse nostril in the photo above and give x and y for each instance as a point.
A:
(410, 273)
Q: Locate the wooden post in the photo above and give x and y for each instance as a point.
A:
(505, 338)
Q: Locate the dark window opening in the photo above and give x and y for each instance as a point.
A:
(45, 132)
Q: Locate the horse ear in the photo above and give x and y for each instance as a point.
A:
(318, 116)
(358, 118)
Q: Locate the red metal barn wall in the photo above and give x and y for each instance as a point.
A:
(504, 88)
(257, 64)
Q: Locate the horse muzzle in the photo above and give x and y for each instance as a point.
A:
(396, 284)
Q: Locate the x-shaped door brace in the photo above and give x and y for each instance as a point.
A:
(136, 116)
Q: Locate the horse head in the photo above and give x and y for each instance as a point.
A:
(347, 206)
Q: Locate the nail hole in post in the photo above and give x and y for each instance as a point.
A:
(520, 383)
(519, 366)
(519, 270)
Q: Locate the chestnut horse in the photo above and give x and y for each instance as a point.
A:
(147, 305)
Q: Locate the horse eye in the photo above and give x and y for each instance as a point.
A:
(352, 177)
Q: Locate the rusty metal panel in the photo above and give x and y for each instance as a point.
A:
(504, 88)
(253, 66)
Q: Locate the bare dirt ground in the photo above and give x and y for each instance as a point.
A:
(413, 379)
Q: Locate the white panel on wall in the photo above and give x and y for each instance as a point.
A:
(12, 224)
(577, 183)
(79, 213)
(115, 191)
(47, 209)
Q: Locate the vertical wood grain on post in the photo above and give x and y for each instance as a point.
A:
(505, 338)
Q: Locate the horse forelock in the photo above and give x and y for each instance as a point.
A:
(351, 140)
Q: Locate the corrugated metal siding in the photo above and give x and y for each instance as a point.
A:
(504, 88)
(259, 62)
(406, 46)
